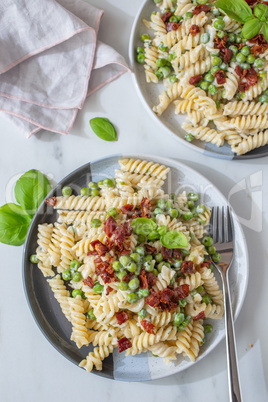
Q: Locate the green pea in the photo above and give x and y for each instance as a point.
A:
(214, 70)
(187, 216)
(190, 204)
(189, 137)
(138, 270)
(238, 38)
(169, 204)
(188, 15)
(66, 190)
(117, 266)
(140, 250)
(161, 203)
(231, 37)
(66, 275)
(77, 292)
(141, 238)
(173, 19)
(162, 62)
(123, 285)
(148, 266)
(125, 260)
(204, 85)
(154, 235)
(251, 59)
(142, 313)
(216, 11)
(234, 49)
(98, 288)
(200, 289)
(208, 328)
(34, 259)
(233, 59)
(207, 241)
(206, 299)
(182, 303)
(178, 319)
(148, 258)
(140, 49)
(100, 183)
(193, 292)
(77, 277)
(108, 182)
(131, 267)
(200, 209)
(263, 98)
(132, 298)
(112, 212)
(223, 67)
(162, 47)
(158, 257)
(209, 77)
(135, 257)
(259, 63)
(193, 196)
(74, 265)
(203, 341)
(94, 192)
(185, 323)
(218, 104)
(91, 315)
(245, 66)
(216, 61)
(121, 275)
(155, 272)
(216, 258)
(140, 58)
(95, 223)
(134, 284)
(212, 89)
(85, 191)
(162, 229)
(240, 58)
(144, 292)
(174, 213)
(171, 56)
(245, 50)
(211, 250)
(205, 37)
(177, 263)
(145, 37)
(160, 265)
(173, 79)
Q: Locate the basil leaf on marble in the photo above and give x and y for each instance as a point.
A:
(174, 239)
(14, 224)
(103, 128)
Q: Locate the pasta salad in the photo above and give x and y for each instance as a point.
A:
(211, 72)
(130, 266)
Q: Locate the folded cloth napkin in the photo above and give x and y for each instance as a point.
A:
(51, 61)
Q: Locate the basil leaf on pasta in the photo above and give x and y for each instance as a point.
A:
(239, 10)
(103, 128)
(251, 28)
(143, 226)
(265, 30)
(174, 239)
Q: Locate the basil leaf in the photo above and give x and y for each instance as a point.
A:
(251, 28)
(261, 12)
(174, 239)
(14, 224)
(143, 226)
(239, 10)
(30, 190)
(103, 128)
(265, 30)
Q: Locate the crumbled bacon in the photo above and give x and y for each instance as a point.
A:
(151, 279)
(136, 213)
(206, 264)
(119, 238)
(241, 45)
(153, 299)
(195, 79)
(194, 30)
(240, 71)
(127, 208)
(257, 49)
(177, 253)
(182, 291)
(259, 39)
(127, 278)
(199, 316)
(125, 252)
(165, 17)
(149, 249)
(106, 271)
(101, 248)
(201, 7)
(243, 86)
(187, 267)
(89, 282)
(148, 326)
(108, 290)
(167, 253)
(172, 26)
(145, 208)
(127, 229)
(94, 252)
(220, 77)
(98, 260)
(143, 280)
(121, 317)
(110, 226)
(228, 54)
(251, 77)
(52, 201)
(123, 344)
(221, 43)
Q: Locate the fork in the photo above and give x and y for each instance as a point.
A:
(221, 231)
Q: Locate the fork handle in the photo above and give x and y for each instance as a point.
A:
(233, 377)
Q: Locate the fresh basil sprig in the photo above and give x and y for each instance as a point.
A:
(143, 226)
(103, 128)
(30, 190)
(174, 239)
(240, 11)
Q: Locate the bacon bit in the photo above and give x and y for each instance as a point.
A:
(221, 43)
(98, 260)
(52, 201)
(145, 208)
(94, 252)
(251, 2)
(149, 249)
(119, 238)
(194, 30)
(108, 290)
(182, 291)
(127, 278)
(153, 299)
(148, 326)
(123, 344)
(241, 45)
(167, 253)
(177, 253)
(127, 229)
(101, 249)
(228, 54)
(220, 77)
(143, 280)
(195, 79)
(125, 252)
(121, 317)
(136, 213)
(165, 17)
(201, 7)
(105, 270)
(206, 264)
(151, 279)
(259, 39)
(257, 49)
(251, 77)
(89, 282)
(172, 26)
(187, 267)
(110, 226)
(243, 86)
(199, 316)
(240, 72)
(127, 208)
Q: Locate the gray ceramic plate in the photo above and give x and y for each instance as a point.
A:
(148, 94)
(47, 312)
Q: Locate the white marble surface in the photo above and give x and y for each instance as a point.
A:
(30, 368)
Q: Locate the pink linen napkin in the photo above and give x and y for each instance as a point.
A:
(51, 61)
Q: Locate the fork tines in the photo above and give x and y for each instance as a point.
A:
(221, 225)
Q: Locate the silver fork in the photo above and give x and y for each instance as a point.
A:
(221, 231)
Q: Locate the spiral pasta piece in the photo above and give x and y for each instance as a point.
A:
(164, 278)
(81, 202)
(250, 143)
(144, 167)
(157, 24)
(78, 320)
(231, 84)
(197, 336)
(256, 89)
(211, 286)
(198, 68)
(161, 349)
(248, 122)
(166, 97)
(205, 134)
(237, 108)
(61, 294)
(96, 357)
(193, 280)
